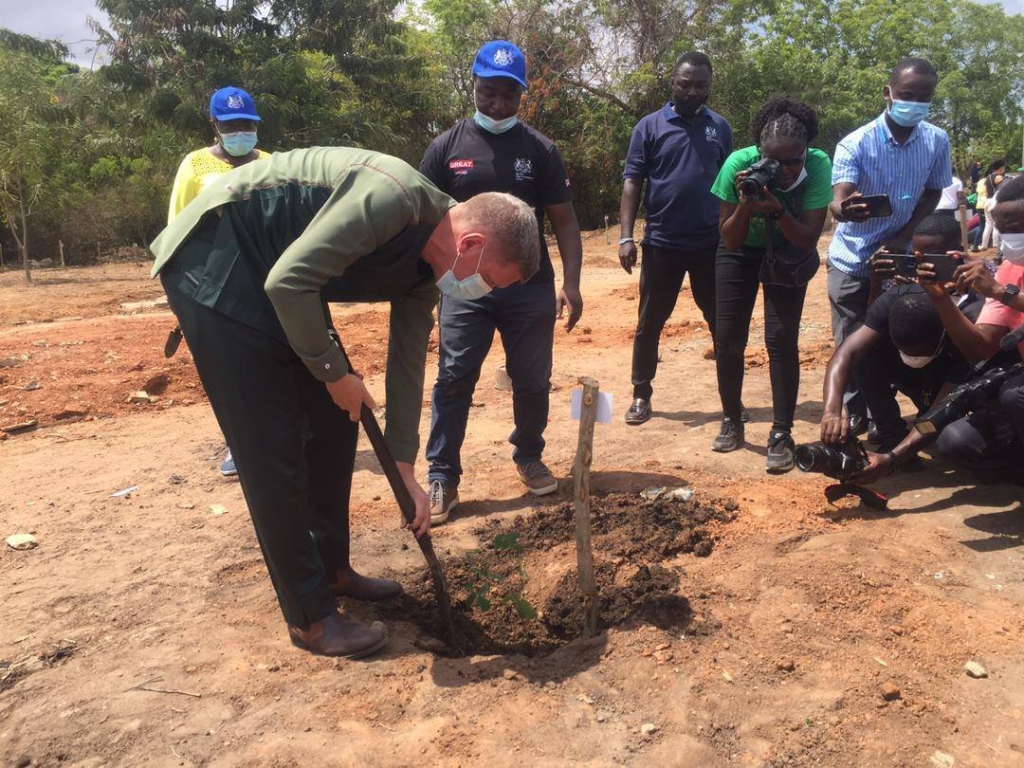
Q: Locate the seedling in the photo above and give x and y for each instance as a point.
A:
(483, 586)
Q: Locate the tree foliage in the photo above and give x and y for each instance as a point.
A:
(88, 157)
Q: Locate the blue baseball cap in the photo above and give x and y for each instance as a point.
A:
(500, 58)
(232, 104)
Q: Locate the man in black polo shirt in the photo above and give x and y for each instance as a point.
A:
(678, 150)
(494, 152)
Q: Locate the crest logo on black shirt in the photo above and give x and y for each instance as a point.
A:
(523, 168)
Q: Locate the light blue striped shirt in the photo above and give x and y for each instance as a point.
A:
(873, 160)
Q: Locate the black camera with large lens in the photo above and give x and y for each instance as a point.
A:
(965, 399)
(763, 173)
(838, 461)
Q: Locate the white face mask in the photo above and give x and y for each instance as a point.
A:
(1013, 247)
(469, 288)
(916, 362)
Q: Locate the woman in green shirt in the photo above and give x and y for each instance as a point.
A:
(791, 211)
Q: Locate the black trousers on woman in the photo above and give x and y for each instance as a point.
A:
(737, 277)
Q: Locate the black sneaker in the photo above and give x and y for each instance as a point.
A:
(730, 438)
(780, 453)
(744, 413)
(639, 412)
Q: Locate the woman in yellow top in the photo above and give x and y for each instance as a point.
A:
(234, 119)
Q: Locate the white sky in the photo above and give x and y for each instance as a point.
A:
(65, 21)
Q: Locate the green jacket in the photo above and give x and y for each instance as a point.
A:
(271, 242)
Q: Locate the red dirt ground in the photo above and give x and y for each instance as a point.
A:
(802, 613)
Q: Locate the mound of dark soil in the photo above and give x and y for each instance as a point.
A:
(500, 609)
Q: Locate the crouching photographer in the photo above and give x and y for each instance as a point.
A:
(774, 197)
(990, 439)
(903, 346)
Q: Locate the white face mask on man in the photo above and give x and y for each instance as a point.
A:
(468, 288)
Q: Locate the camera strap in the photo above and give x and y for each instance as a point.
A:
(870, 499)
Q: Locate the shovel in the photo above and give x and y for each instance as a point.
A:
(408, 508)
(406, 505)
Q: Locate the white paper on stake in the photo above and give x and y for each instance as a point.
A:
(605, 405)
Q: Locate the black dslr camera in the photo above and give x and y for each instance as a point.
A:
(838, 461)
(966, 399)
(764, 173)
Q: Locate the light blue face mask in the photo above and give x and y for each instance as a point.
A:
(491, 125)
(239, 143)
(909, 113)
(468, 288)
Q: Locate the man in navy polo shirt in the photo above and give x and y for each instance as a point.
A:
(897, 154)
(494, 152)
(679, 150)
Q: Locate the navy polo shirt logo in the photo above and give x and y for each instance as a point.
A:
(711, 133)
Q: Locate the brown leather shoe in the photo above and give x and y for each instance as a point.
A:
(335, 636)
(351, 584)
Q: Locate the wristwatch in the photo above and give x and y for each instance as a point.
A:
(1010, 292)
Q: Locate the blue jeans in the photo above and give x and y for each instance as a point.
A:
(524, 315)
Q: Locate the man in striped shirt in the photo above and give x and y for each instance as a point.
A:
(896, 154)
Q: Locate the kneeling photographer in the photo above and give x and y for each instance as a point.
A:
(902, 346)
(990, 439)
(774, 197)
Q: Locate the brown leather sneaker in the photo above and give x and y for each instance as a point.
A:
(335, 636)
(538, 478)
(443, 499)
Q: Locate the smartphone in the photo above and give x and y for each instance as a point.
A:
(906, 264)
(945, 265)
(879, 206)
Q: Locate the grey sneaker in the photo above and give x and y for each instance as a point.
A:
(780, 453)
(538, 478)
(443, 499)
(227, 467)
(730, 438)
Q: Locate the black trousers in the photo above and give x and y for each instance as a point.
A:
(990, 439)
(661, 279)
(738, 277)
(294, 449)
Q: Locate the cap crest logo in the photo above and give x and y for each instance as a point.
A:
(235, 101)
(503, 57)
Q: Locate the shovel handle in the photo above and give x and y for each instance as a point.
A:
(387, 463)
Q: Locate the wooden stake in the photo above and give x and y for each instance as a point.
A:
(60, 245)
(607, 240)
(963, 225)
(581, 488)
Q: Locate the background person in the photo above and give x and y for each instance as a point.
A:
(987, 189)
(901, 347)
(234, 119)
(897, 154)
(981, 440)
(782, 131)
(248, 268)
(494, 152)
(952, 196)
(678, 152)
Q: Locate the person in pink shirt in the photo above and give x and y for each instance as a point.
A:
(993, 438)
